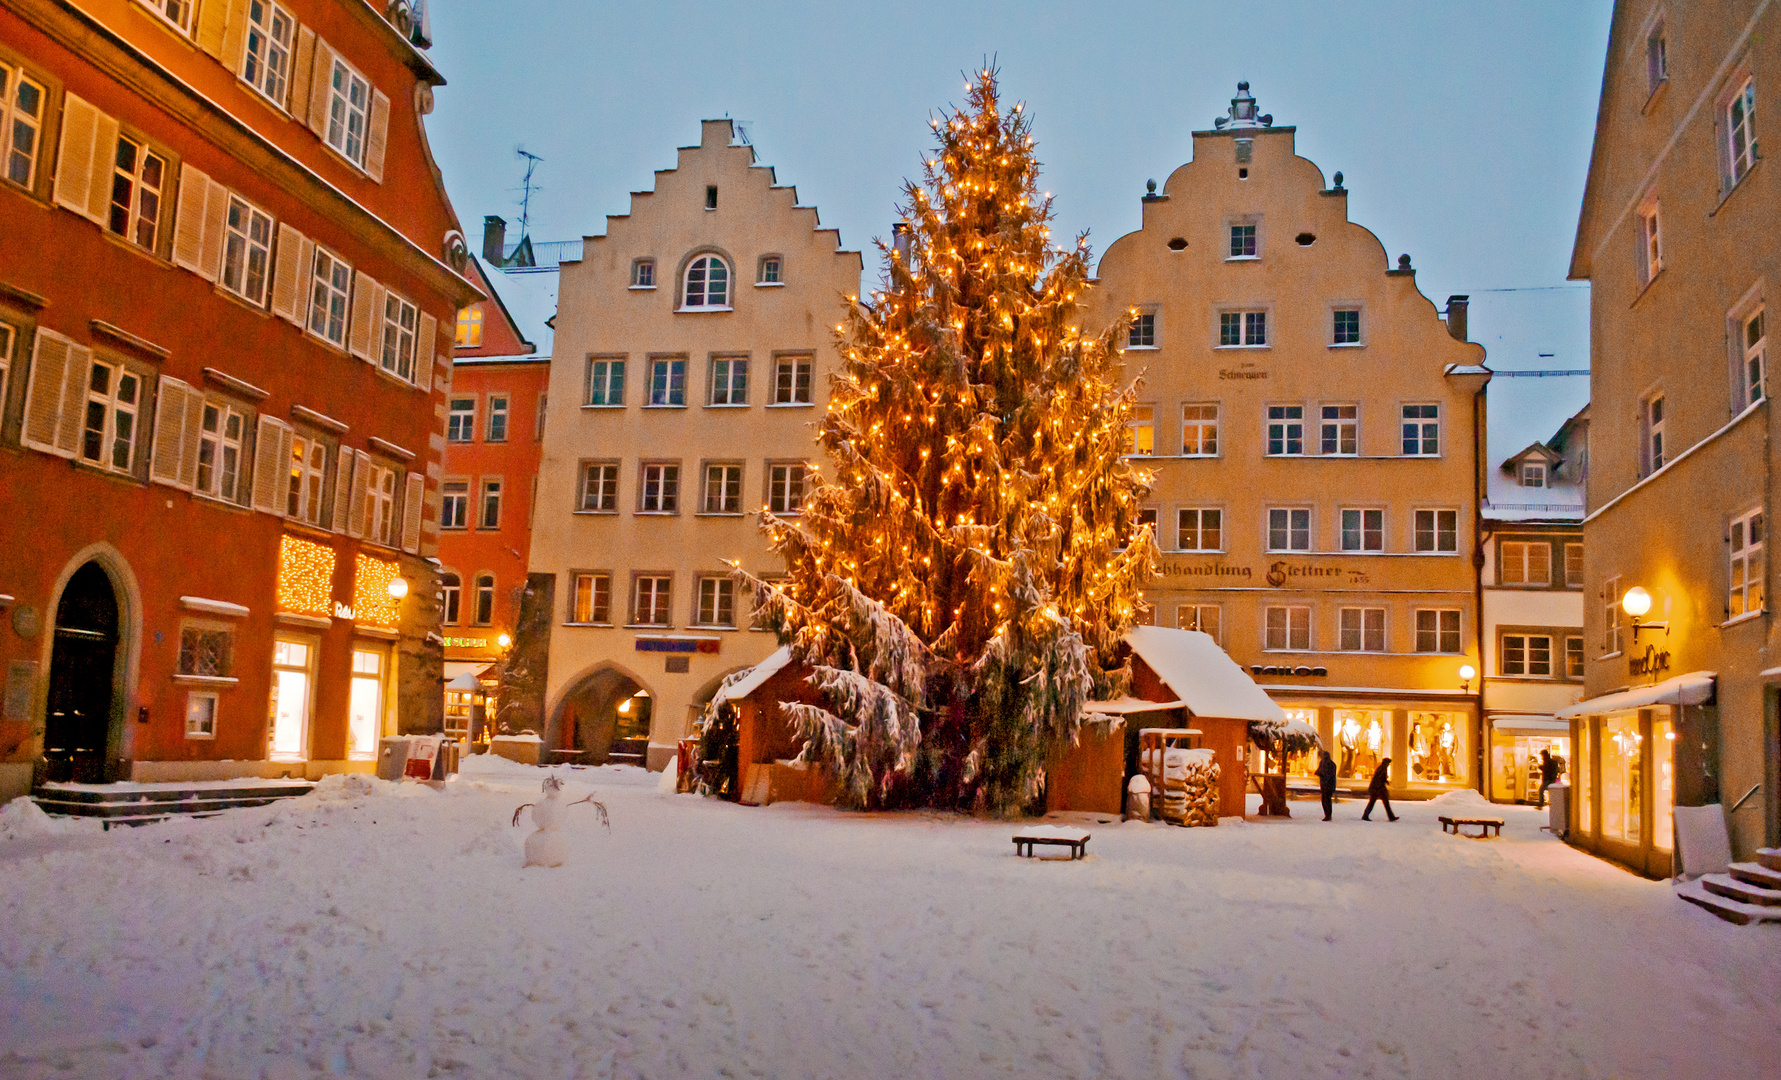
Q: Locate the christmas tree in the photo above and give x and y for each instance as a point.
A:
(959, 583)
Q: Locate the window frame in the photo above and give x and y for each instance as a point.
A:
(489, 497)
(1526, 546)
(134, 443)
(1434, 531)
(702, 261)
(496, 408)
(797, 364)
(10, 113)
(398, 336)
(597, 611)
(661, 598)
(1285, 422)
(1749, 358)
(451, 597)
(1141, 334)
(1653, 418)
(1421, 423)
(1244, 321)
(341, 112)
(1202, 424)
(605, 491)
(240, 249)
(183, 23)
(1198, 621)
(329, 301)
(1338, 426)
(219, 444)
(1651, 236)
(1746, 591)
(671, 393)
(1534, 471)
(266, 30)
(454, 504)
(770, 271)
(1573, 581)
(604, 379)
(468, 334)
(1287, 628)
(665, 500)
(1290, 528)
(1518, 660)
(380, 494)
(780, 501)
(1242, 246)
(1437, 631)
(138, 190)
(643, 273)
(1612, 627)
(1141, 430)
(1337, 330)
(726, 384)
(723, 592)
(210, 702)
(1200, 529)
(1735, 163)
(462, 421)
(199, 632)
(1369, 631)
(1371, 538)
(482, 599)
(729, 489)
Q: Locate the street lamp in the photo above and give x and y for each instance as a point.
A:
(503, 639)
(1466, 674)
(1636, 603)
(398, 587)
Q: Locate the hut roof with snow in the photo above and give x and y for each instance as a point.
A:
(1202, 676)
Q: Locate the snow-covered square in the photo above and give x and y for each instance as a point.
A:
(384, 930)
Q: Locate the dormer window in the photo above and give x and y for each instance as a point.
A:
(707, 284)
(1533, 474)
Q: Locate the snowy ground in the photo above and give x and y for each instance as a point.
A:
(393, 934)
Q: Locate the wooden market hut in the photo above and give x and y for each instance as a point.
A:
(766, 739)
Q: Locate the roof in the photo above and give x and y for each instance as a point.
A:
(1202, 675)
(529, 301)
(1693, 688)
(748, 680)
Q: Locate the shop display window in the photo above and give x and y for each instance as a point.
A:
(1585, 779)
(1663, 798)
(1302, 765)
(1363, 740)
(1622, 778)
(1436, 753)
(1516, 761)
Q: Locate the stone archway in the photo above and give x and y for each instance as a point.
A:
(606, 715)
(80, 714)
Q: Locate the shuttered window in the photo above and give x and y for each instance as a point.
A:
(412, 500)
(290, 275)
(220, 435)
(247, 250)
(199, 234)
(84, 160)
(109, 424)
(55, 394)
(266, 59)
(272, 452)
(179, 414)
(328, 290)
(21, 125)
(137, 178)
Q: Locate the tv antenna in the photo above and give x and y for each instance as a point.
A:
(525, 205)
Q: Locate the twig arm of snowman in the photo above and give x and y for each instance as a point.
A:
(517, 813)
(605, 818)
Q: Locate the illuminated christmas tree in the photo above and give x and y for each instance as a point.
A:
(959, 581)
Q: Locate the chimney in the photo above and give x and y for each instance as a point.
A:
(901, 239)
(1456, 316)
(494, 239)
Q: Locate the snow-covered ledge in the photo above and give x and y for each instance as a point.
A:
(213, 607)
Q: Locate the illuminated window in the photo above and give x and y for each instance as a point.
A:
(201, 714)
(469, 327)
(1143, 430)
(1199, 430)
(372, 603)
(1524, 562)
(1363, 742)
(305, 577)
(1748, 564)
(1436, 745)
(136, 184)
(593, 598)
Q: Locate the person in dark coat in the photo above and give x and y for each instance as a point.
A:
(1326, 781)
(1376, 792)
(1548, 773)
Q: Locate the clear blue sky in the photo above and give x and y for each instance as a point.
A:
(1462, 129)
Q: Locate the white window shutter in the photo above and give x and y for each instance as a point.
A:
(234, 43)
(104, 164)
(343, 465)
(288, 275)
(378, 137)
(172, 400)
(300, 74)
(286, 436)
(361, 484)
(52, 355)
(74, 397)
(189, 440)
(319, 95)
(188, 229)
(216, 230)
(214, 17)
(411, 513)
(269, 465)
(359, 336)
(424, 344)
(74, 156)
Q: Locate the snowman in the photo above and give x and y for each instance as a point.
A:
(546, 846)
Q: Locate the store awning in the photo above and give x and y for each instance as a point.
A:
(1529, 722)
(1690, 689)
(1125, 706)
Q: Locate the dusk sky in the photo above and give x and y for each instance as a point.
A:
(1463, 130)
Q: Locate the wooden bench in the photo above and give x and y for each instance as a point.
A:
(1486, 826)
(1074, 839)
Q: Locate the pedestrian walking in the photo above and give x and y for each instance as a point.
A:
(1548, 773)
(1377, 793)
(1326, 781)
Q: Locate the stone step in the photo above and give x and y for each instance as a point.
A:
(1732, 889)
(137, 804)
(624, 759)
(1756, 874)
(1730, 910)
(1769, 857)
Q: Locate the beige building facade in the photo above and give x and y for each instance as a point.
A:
(1313, 427)
(1677, 239)
(694, 342)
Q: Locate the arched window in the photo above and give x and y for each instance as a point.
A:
(484, 613)
(707, 283)
(451, 588)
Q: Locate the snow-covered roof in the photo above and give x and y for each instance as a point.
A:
(1690, 689)
(532, 301)
(1202, 675)
(1528, 722)
(748, 681)
(1125, 706)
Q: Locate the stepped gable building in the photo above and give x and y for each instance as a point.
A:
(1677, 239)
(1315, 433)
(223, 384)
(694, 345)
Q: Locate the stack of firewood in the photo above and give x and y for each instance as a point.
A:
(1199, 790)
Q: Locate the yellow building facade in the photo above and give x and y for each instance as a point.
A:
(1314, 430)
(694, 343)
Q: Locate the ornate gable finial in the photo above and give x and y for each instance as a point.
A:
(1243, 112)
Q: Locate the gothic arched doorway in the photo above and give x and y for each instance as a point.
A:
(82, 669)
(605, 716)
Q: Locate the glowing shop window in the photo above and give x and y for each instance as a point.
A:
(305, 577)
(1302, 764)
(1585, 779)
(372, 603)
(1363, 740)
(1663, 800)
(1436, 753)
(1623, 782)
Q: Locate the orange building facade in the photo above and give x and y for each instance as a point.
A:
(224, 349)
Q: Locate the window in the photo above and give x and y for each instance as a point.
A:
(643, 274)
(1737, 122)
(599, 487)
(399, 321)
(21, 113)
(380, 505)
(1573, 658)
(1650, 242)
(729, 380)
(1340, 435)
(791, 380)
(219, 458)
(1363, 630)
(660, 493)
(592, 599)
(482, 611)
(707, 284)
(1437, 530)
(785, 487)
(454, 504)
(1289, 529)
(136, 183)
(1748, 565)
(497, 418)
(538, 428)
(1654, 433)
(1242, 329)
(1142, 429)
(8, 338)
(460, 421)
(201, 714)
(1574, 565)
(247, 250)
(1533, 474)
(1754, 341)
(711, 197)
(1437, 630)
(327, 297)
(490, 517)
(667, 382)
(1143, 332)
(1147, 516)
(1363, 530)
(1657, 63)
(723, 489)
(1288, 628)
(267, 57)
(1202, 617)
(1243, 241)
(451, 591)
(1422, 430)
(1526, 654)
(1199, 530)
(204, 652)
(177, 12)
(1611, 611)
(109, 440)
(1199, 430)
(1347, 327)
(469, 327)
(770, 271)
(649, 600)
(1286, 430)
(1525, 562)
(717, 602)
(606, 382)
(349, 99)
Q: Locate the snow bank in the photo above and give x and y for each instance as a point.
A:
(1463, 799)
(22, 819)
(340, 786)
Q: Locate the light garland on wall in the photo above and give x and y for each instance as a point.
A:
(305, 577)
(372, 603)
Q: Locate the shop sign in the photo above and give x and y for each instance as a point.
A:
(678, 645)
(344, 611)
(1279, 574)
(1653, 661)
(466, 643)
(1227, 373)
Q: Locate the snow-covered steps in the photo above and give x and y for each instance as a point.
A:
(1769, 857)
(1755, 873)
(1737, 911)
(1732, 889)
(138, 804)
